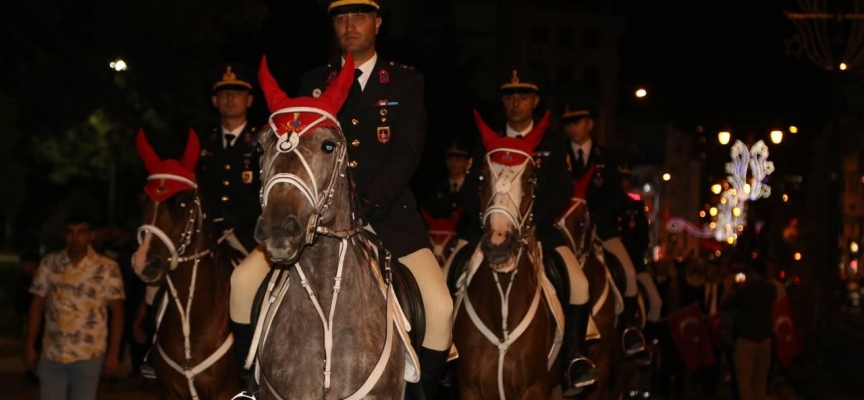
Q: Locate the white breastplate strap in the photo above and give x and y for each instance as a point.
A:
(189, 371)
(508, 337)
(327, 323)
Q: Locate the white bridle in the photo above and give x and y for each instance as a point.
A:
(502, 188)
(286, 143)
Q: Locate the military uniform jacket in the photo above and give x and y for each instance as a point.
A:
(552, 194)
(230, 183)
(443, 202)
(633, 228)
(605, 197)
(385, 128)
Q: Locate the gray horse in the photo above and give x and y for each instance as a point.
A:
(332, 331)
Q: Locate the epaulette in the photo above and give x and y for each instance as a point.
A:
(403, 66)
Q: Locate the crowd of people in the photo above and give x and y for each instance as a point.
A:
(84, 306)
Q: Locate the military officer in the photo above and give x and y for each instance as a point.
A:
(444, 201)
(633, 226)
(228, 170)
(384, 122)
(605, 200)
(520, 95)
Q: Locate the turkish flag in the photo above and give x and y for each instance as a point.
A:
(786, 343)
(691, 337)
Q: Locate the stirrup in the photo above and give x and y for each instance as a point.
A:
(147, 371)
(644, 358)
(243, 395)
(591, 367)
(640, 348)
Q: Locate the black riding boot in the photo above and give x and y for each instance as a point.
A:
(432, 366)
(242, 342)
(632, 339)
(577, 371)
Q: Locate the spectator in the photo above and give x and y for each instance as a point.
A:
(73, 288)
(753, 304)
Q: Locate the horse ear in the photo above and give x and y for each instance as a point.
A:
(536, 135)
(190, 155)
(426, 217)
(486, 133)
(337, 93)
(148, 156)
(276, 98)
(580, 186)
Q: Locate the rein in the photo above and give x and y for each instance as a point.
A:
(196, 215)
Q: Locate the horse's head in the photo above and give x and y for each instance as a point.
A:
(507, 193)
(442, 233)
(172, 211)
(304, 157)
(578, 220)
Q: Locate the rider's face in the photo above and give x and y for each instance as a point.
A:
(579, 131)
(232, 103)
(356, 31)
(519, 107)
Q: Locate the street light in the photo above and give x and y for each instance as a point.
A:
(724, 137)
(843, 66)
(667, 176)
(118, 65)
(640, 93)
(716, 188)
(793, 129)
(776, 137)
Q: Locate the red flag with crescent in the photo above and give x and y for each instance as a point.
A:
(786, 343)
(691, 337)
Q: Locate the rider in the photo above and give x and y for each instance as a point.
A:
(384, 122)
(605, 201)
(633, 225)
(444, 202)
(520, 95)
(228, 169)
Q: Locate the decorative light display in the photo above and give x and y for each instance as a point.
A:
(747, 173)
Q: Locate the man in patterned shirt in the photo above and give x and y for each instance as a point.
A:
(71, 289)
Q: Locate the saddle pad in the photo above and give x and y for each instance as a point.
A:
(619, 299)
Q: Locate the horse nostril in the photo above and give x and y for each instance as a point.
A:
(292, 226)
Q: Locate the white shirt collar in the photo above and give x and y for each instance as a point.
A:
(236, 132)
(367, 68)
(458, 182)
(512, 132)
(586, 150)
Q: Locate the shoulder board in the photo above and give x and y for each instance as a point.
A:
(401, 66)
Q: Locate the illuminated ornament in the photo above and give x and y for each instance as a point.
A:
(229, 75)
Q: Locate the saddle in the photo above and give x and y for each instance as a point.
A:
(616, 269)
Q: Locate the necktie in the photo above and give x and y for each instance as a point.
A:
(518, 136)
(229, 140)
(579, 165)
(580, 156)
(357, 73)
(454, 188)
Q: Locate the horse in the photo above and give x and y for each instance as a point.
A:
(194, 358)
(615, 372)
(505, 329)
(331, 301)
(442, 234)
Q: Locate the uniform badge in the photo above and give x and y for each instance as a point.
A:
(247, 177)
(383, 76)
(383, 134)
(203, 153)
(316, 93)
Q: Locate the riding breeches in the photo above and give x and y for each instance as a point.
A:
(616, 247)
(654, 309)
(248, 276)
(578, 282)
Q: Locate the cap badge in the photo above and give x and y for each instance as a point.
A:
(229, 75)
(515, 78)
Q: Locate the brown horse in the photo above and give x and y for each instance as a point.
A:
(193, 355)
(614, 370)
(331, 328)
(504, 328)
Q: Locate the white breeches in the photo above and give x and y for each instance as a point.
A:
(578, 282)
(616, 247)
(653, 295)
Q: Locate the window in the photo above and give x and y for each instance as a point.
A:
(565, 38)
(539, 34)
(591, 39)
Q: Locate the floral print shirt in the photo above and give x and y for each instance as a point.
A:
(76, 307)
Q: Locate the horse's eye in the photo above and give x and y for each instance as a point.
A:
(328, 146)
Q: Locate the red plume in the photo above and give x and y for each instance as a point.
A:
(580, 186)
(193, 148)
(276, 98)
(486, 133)
(338, 91)
(148, 155)
(536, 135)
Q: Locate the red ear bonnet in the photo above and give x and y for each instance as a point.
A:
(169, 177)
(300, 115)
(580, 186)
(505, 150)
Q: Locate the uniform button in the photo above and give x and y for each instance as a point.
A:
(227, 166)
(353, 164)
(404, 207)
(355, 121)
(226, 182)
(355, 143)
(224, 198)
